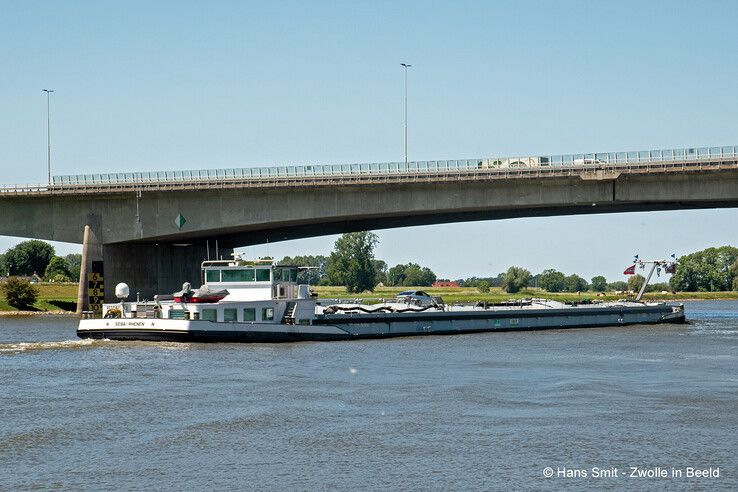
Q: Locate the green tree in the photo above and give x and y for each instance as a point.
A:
(74, 262)
(575, 283)
(380, 267)
(352, 261)
(707, 270)
(635, 282)
(19, 292)
(515, 279)
(733, 273)
(599, 284)
(483, 286)
(312, 275)
(396, 275)
(658, 287)
(415, 275)
(618, 285)
(57, 270)
(409, 275)
(552, 280)
(29, 257)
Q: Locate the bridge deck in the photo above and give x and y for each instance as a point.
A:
(584, 171)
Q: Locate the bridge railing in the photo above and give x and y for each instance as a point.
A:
(586, 159)
(508, 167)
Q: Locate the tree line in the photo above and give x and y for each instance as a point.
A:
(39, 258)
(352, 264)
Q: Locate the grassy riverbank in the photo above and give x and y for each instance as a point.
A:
(51, 298)
(63, 297)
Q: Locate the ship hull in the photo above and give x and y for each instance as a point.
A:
(382, 325)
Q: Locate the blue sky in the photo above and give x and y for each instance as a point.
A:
(187, 85)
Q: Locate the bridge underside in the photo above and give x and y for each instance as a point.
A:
(277, 233)
(146, 244)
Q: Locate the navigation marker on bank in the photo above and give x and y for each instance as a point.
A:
(179, 221)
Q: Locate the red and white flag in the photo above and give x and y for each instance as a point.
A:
(630, 270)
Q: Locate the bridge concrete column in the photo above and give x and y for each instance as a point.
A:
(91, 252)
(151, 269)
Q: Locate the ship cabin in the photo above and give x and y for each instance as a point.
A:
(251, 280)
(257, 292)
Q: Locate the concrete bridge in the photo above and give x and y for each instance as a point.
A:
(153, 229)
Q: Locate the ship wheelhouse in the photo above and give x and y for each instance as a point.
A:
(245, 291)
(251, 280)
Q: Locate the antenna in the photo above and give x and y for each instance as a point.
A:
(207, 245)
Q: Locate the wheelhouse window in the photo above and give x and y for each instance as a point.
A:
(230, 314)
(249, 314)
(240, 275)
(262, 275)
(212, 276)
(267, 314)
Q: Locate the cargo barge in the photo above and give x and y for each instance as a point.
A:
(259, 301)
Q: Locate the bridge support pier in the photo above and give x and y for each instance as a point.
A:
(151, 269)
(91, 251)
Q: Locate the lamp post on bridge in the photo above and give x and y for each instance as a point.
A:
(48, 130)
(406, 66)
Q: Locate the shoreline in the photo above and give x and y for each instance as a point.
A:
(28, 314)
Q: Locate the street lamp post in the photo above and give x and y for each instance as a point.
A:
(48, 130)
(406, 66)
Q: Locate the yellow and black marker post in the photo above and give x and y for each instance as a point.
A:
(96, 287)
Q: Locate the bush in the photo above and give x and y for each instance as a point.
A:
(483, 286)
(19, 292)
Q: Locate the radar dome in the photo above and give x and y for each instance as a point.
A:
(122, 291)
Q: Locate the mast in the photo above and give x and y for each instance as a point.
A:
(645, 283)
(668, 266)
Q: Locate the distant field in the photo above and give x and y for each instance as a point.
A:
(470, 294)
(55, 297)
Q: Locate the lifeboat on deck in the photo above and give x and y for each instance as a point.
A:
(202, 295)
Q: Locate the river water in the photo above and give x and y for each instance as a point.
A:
(469, 412)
